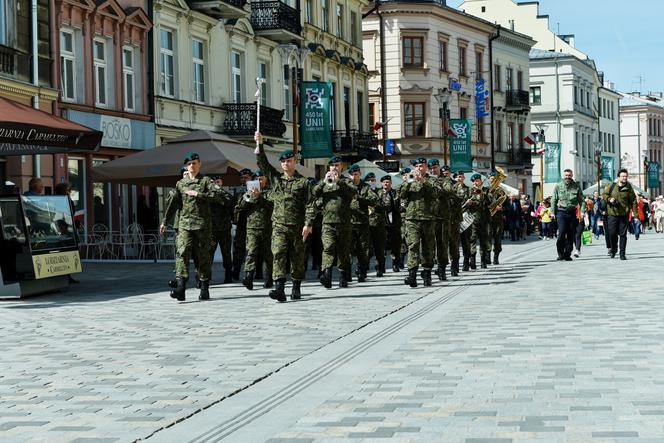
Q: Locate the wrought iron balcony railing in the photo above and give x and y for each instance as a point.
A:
(241, 120)
(521, 157)
(517, 99)
(354, 142)
(274, 16)
(7, 60)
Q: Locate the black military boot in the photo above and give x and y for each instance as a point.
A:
(198, 282)
(487, 258)
(178, 292)
(441, 273)
(258, 275)
(295, 292)
(326, 278)
(395, 267)
(454, 268)
(268, 282)
(248, 280)
(236, 270)
(279, 293)
(361, 275)
(483, 261)
(172, 283)
(411, 280)
(466, 264)
(343, 279)
(495, 258)
(426, 277)
(473, 263)
(228, 275)
(205, 291)
(380, 270)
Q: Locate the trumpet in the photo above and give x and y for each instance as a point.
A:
(331, 178)
(249, 197)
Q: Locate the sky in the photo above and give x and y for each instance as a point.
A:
(624, 38)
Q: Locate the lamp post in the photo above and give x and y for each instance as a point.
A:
(289, 51)
(646, 166)
(442, 97)
(598, 156)
(541, 127)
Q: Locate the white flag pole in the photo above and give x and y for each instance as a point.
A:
(259, 82)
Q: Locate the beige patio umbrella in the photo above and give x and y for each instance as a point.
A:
(161, 166)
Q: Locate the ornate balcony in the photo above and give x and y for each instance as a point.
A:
(7, 60)
(220, 9)
(521, 157)
(276, 21)
(241, 120)
(353, 142)
(517, 100)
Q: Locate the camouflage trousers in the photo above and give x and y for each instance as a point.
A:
(360, 244)
(239, 247)
(336, 244)
(287, 245)
(453, 241)
(420, 237)
(377, 240)
(497, 228)
(440, 229)
(394, 240)
(194, 243)
(224, 241)
(479, 231)
(259, 243)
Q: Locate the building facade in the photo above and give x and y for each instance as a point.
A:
(608, 111)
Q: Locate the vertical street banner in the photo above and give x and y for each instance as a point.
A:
(653, 175)
(607, 168)
(461, 155)
(315, 135)
(551, 162)
(482, 104)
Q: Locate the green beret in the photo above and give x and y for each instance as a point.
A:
(369, 175)
(433, 162)
(475, 177)
(460, 172)
(311, 180)
(386, 177)
(493, 174)
(190, 157)
(445, 168)
(353, 168)
(259, 173)
(334, 159)
(288, 153)
(215, 176)
(419, 161)
(405, 170)
(245, 171)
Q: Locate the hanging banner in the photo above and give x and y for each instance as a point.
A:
(315, 135)
(608, 168)
(551, 162)
(461, 155)
(482, 104)
(653, 175)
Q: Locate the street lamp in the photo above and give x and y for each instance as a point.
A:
(646, 166)
(598, 157)
(541, 127)
(289, 51)
(443, 97)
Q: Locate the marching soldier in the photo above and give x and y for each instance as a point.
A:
(290, 193)
(478, 205)
(463, 194)
(455, 217)
(359, 218)
(240, 241)
(497, 224)
(442, 212)
(393, 219)
(221, 210)
(258, 207)
(174, 220)
(192, 195)
(405, 172)
(417, 195)
(334, 195)
(314, 243)
(377, 223)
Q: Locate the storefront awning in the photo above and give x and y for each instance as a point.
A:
(25, 130)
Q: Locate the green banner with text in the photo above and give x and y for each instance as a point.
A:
(608, 168)
(551, 162)
(461, 154)
(653, 175)
(315, 135)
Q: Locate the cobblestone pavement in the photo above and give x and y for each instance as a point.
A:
(523, 352)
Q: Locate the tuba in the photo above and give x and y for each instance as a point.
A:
(497, 180)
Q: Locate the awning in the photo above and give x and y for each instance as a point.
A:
(25, 130)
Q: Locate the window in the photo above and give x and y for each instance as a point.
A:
(325, 15)
(67, 69)
(519, 80)
(100, 72)
(340, 21)
(412, 51)
(536, 95)
(521, 135)
(462, 61)
(576, 95)
(372, 115)
(509, 76)
(463, 113)
(583, 103)
(414, 119)
(478, 65)
(510, 136)
(128, 77)
(499, 135)
(3, 23)
(497, 85)
(198, 70)
(443, 55)
(166, 67)
(612, 115)
(480, 130)
(236, 76)
(360, 111)
(8, 12)
(333, 107)
(263, 73)
(588, 100)
(353, 29)
(583, 145)
(309, 11)
(287, 93)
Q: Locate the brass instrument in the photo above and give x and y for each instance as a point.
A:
(249, 197)
(497, 180)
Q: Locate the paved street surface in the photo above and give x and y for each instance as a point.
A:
(533, 350)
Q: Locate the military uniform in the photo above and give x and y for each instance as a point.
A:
(478, 206)
(221, 211)
(402, 209)
(359, 218)
(441, 209)
(259, 235)
(240, 240)
(377, 232)
(454, 203)
(391, 204)
(497, 223)
(291, 196)
(462, 193)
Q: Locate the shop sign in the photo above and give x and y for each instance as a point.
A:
(389, 166)
(455, 85)
(481, 99)
(117, 131)
(56, 263)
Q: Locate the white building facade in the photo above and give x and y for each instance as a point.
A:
(608, 110)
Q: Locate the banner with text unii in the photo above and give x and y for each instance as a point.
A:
(315, 135)
(461, 155)
(608, 168)
(551, 162)
(653, 175)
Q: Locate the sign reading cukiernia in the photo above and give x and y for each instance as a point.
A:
(56, 263)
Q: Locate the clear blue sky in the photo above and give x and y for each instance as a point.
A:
(625, 38)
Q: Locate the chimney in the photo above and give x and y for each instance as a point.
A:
(568, 38)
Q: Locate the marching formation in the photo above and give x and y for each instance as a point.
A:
(428, 222)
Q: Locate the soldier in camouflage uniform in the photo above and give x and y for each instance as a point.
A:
(359, 218)
(191, 197)
(332, 197)
(402, 209)
(314, 243)
(456, 215)
(240, 218)
(418, 198)
(497, 224)
(442, 213)
(390, 199)
(221, 211)
(258, 207)
(377, 223)
(174, 220)
(478, 205)
(463, 194)
(291, 194)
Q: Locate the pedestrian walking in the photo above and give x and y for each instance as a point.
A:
(621, 199)
(567, 195)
